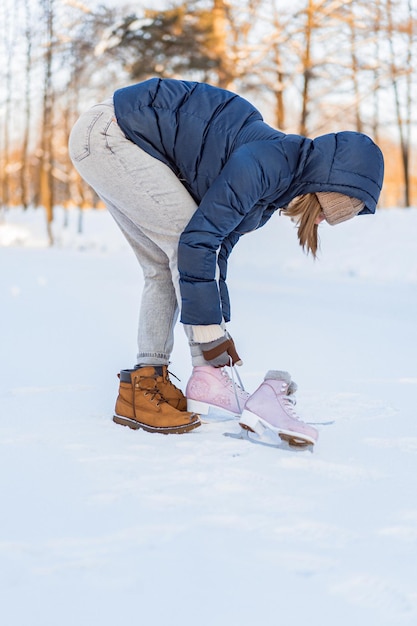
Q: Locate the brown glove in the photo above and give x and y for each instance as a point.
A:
(221, 352)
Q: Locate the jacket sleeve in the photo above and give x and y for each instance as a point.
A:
(241, 185)
(225, 249)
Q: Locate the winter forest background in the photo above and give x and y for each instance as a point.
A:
(311, 66)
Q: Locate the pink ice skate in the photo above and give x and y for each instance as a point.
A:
(214, 395)
(271, 408)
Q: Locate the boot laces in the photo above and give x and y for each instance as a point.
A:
(154, 392)
(169, 381)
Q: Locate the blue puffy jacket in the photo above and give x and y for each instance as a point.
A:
(239, 170)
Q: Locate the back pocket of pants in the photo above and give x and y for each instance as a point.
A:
(80, 138)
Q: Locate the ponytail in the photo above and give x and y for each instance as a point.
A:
(304, 211)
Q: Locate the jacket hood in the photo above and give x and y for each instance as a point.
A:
(346, 162)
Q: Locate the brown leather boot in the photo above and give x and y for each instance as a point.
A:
(170, 392)
(140, 404)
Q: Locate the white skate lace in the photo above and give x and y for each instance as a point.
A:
(236, 386)
(289, 402)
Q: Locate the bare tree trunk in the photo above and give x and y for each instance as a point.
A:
(403, 123)
(408, 105)
(355, 69)
(9, 44)
(220, 45)
(307, 67)
(376, 72)
(24, 176)
(46, 181)
(278, 88)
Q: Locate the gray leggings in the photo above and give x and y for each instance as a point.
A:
(152, 208)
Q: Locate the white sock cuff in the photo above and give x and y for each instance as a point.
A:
(207, 333)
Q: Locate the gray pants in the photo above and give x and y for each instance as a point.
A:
(152, 208)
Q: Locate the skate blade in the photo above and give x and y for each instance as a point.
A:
(247, 435)
(292, 441)
(259, 426)
(296, 442)
(174, 430)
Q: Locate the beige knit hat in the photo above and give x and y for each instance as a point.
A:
(337, 207)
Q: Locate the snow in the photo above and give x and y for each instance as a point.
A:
(104, 525)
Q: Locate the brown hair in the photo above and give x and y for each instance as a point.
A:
(304, 210)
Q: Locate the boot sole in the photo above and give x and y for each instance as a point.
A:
(165, 430)
(255, 424)
(210, 412)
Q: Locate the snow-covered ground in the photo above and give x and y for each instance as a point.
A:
(102, 525)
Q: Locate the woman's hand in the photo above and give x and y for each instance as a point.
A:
(221, 352)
